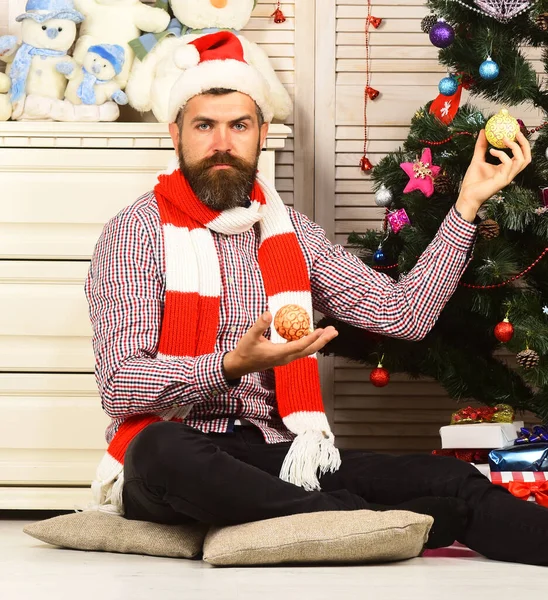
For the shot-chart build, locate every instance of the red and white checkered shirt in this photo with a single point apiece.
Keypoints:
(125, 289)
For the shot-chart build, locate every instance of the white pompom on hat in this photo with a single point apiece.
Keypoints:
(217, 60)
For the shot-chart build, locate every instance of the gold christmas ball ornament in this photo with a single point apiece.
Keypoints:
(500, 126)
(292, 322)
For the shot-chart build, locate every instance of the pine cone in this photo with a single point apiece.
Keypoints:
(489, 229)
(542, 22)
(443, 184)
(428, 22)
(527, 359)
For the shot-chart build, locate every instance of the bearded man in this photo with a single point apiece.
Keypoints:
(215, 417)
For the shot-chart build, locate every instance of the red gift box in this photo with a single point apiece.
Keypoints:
(527, 485)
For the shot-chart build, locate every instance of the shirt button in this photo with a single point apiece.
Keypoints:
(231, 280)
(233, 329)
(214, 394)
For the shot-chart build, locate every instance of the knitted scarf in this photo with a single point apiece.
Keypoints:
(86, 91)
(191, 320)
(20, 67)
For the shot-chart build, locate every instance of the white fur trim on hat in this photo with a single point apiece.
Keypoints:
(230, 74)
(186, 57)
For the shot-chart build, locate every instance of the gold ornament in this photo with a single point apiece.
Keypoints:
(292, 322)
(500, 126)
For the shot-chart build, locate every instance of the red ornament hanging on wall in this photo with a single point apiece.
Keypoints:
(369, 92)
(375, 21)
(278, 15)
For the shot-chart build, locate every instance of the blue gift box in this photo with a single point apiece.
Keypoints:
(528, 457)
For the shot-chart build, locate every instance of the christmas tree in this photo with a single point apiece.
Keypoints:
(500, 308)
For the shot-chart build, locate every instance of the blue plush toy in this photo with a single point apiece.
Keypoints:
(93, 83)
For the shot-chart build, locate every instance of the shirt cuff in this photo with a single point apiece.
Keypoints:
(209, 375)
(457, 232)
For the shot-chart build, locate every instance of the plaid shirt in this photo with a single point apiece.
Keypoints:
(125, 289)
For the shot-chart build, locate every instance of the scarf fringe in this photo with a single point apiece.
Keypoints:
(310, 452)
(107, 487)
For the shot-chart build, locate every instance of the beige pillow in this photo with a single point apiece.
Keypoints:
(92, 530)
(357, 536)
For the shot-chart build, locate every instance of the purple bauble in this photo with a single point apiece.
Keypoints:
(442, 34)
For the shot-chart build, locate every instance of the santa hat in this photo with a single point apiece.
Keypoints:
(217, 60)
(113, 53)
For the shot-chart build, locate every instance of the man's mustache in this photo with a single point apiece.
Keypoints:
(223, 158)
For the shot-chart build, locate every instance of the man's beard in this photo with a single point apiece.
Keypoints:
(221, 189)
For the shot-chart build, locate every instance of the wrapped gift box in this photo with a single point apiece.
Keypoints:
(480, 435)
(484, 469)
(525, 457)
(527, 485)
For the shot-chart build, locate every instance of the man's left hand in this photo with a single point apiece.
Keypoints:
(482, 179)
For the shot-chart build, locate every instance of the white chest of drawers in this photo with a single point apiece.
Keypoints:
(59, 184)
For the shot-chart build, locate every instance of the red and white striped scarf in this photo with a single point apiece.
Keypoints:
(191, 320)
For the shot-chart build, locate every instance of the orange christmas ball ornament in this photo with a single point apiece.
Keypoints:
(292, 322)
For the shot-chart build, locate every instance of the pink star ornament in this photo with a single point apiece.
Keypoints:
(421, 174)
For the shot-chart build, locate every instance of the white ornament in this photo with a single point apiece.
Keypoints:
(502, 10)
(384, 196)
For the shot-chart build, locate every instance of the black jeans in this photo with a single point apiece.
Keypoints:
(175, 474)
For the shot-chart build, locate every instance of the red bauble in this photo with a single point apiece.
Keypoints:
(380, 376)
(365, 164)
(504, 331)
(371, 92)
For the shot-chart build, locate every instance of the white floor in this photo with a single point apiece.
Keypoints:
(31, 570)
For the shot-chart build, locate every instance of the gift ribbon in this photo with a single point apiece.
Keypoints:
(528, 436)
(523, 490)
(501, 413)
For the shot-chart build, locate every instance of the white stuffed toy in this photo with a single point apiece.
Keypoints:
(116, 22)
(5, 104)
(48, 30)
(94, 83)
(153, 77)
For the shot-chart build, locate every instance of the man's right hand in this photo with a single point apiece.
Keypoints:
(255, 353)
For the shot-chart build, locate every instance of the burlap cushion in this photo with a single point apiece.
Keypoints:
(358, 536)
(93, 530)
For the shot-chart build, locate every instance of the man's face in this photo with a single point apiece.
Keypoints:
(218, 144)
